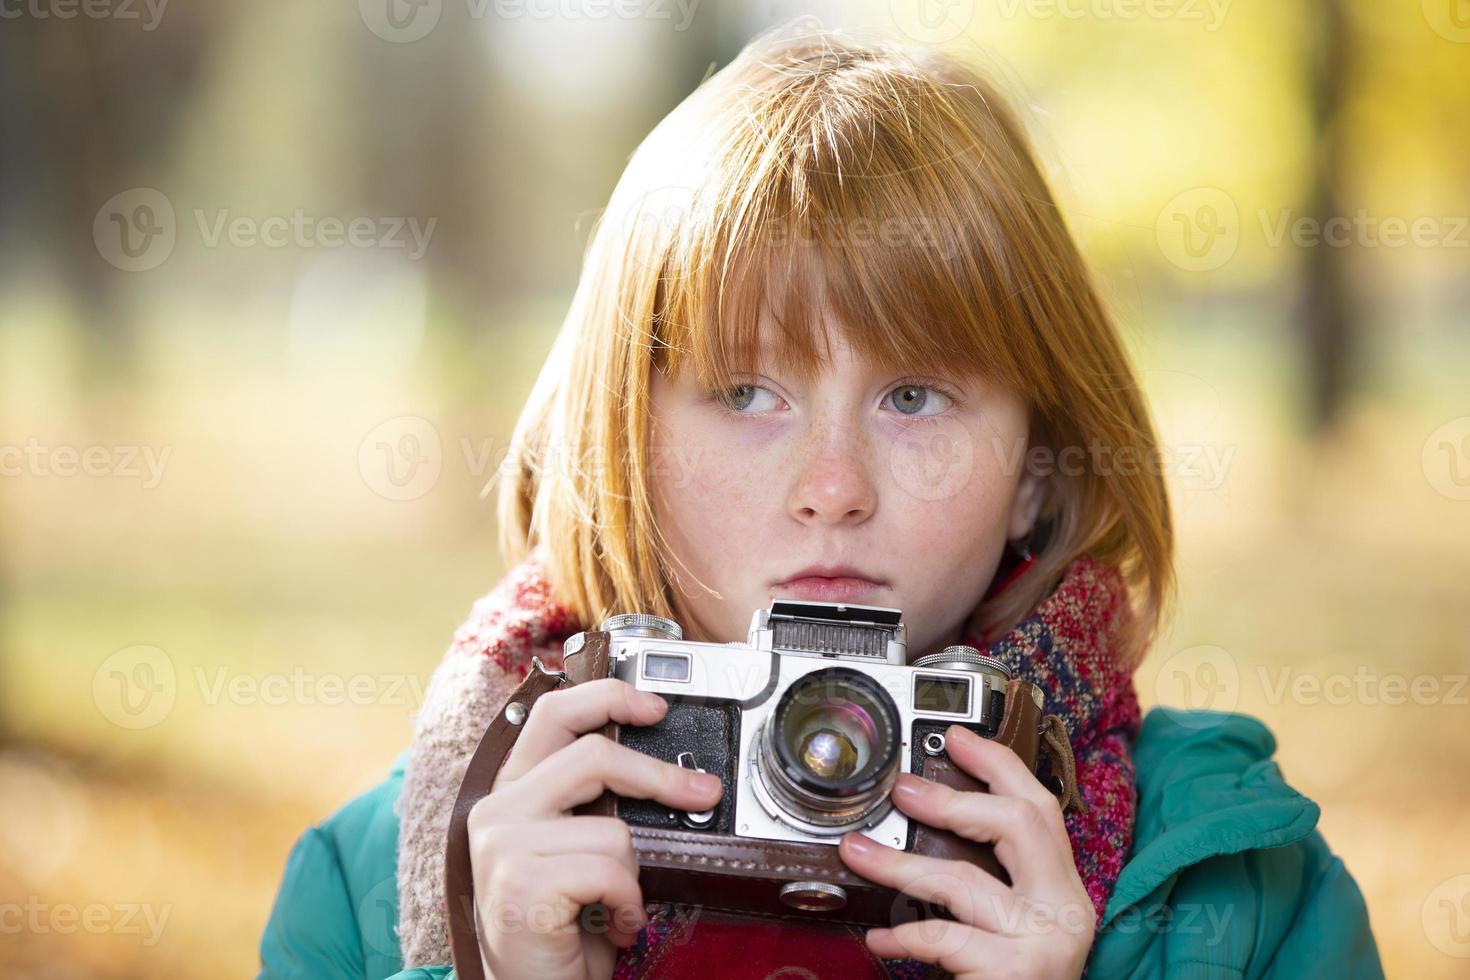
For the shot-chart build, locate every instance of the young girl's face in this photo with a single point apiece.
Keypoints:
(914, 482)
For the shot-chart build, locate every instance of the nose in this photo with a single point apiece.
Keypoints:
(833, 488)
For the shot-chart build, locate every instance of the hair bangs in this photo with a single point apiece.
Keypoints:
(908, 276)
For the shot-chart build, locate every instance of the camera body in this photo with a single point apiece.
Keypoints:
(807, 724)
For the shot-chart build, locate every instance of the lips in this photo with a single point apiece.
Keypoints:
(830, 583)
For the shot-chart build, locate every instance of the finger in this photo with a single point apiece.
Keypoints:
(581, 771)
(557, 719)
(573, 835)
(588, 878)
(607, 836)
(959, 948)
(972, 895)
(997, 764)
(546, 894)
(1005, 774)
(1039, 863)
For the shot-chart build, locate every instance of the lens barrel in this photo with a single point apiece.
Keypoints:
(829, 752)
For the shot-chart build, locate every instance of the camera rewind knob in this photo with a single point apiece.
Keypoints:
(642, 624)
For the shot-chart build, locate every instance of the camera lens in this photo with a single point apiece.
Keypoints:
(829, 753)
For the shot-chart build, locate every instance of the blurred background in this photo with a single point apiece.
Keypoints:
(276, 278)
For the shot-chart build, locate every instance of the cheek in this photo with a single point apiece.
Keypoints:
(952, 479)
(712, 488)
(950, 495)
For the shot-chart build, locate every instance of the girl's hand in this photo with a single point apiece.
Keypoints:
(1041, 925)
(536, 867)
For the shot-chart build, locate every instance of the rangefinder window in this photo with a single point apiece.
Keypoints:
(666, 666)
(943, 695)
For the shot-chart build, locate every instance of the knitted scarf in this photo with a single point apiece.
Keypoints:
(1066, 647)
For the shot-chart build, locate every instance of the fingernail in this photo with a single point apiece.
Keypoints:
(653, 702)
(878, 935)
(859, 843)
(963, 734)
(909, 787)
(703, 783)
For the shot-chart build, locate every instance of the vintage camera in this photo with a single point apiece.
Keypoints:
(808, 724)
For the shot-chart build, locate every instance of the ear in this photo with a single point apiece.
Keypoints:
(1026, 504)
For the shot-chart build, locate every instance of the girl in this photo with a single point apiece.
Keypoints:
(833, 341)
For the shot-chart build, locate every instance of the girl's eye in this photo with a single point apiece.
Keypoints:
(741, 397)
(914, 399)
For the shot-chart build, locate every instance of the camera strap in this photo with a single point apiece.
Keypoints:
(1060, 765)
(495, 745)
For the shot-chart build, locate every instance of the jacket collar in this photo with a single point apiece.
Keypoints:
(1207, 786)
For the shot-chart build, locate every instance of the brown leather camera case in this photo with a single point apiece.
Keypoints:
(716, 871)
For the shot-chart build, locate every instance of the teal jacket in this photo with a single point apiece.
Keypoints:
(1227, 877)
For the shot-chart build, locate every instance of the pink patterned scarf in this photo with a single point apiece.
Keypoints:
(1067, 647)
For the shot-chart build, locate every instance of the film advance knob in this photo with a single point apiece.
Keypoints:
(961, 657)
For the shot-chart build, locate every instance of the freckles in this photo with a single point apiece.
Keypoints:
(739, 468)
(726, 494)
(946, 488)
(944, 467)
